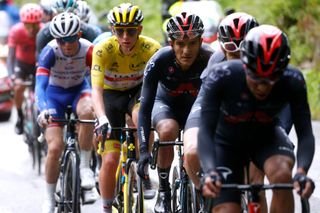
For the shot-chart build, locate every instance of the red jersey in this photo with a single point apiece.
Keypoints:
(25, 46)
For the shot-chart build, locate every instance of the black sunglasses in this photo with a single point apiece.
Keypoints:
(131, 31)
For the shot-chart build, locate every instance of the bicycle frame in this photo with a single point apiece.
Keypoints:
(128, 156)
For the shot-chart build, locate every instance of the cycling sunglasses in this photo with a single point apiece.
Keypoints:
(264, 80)
(131, 31)
(69, 39)
(180, 35)
(231, 46)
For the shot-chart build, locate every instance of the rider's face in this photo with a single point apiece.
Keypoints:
(32, 29)
(186, 51)
(259, 89)
(127, 37)
(69, 45)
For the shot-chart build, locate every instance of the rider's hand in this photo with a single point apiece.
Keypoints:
(210, 184)
(143, 162)
(100, 124)
(303, 185)
(44, 118)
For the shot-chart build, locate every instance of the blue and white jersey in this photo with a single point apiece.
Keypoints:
(58, 72)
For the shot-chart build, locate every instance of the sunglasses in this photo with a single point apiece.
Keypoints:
(180, 35)
(131, 31)
(31, 26)
(264, 80)
(69, 39)
(231, 46)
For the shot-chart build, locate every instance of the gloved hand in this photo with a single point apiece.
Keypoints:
(101, 125)
(143, 161)
(44, 118)
(303, 184)
(210, 184)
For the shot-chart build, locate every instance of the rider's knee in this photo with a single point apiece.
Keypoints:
(110, 162)
(168, 130)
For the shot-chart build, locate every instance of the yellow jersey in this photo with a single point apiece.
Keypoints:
(111, 69)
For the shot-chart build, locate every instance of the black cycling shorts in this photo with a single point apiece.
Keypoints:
(23, 70)
(118, 104)
(232, 157)
(163, 110)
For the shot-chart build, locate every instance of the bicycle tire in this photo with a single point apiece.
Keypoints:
(128, 194)
(70, 191)
(195, 200)
(244, 203)
(140, 197)
(175, 190)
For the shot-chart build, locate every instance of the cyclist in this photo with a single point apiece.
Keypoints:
(21, 58)
(44, 36)
(231, 32)
(240, 103)
(117, 73)
(61, 80)
(46, 6)
(170, 86)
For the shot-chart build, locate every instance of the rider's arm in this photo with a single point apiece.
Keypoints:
(148, 94)
(302, 122)
(210, 105)
(46, 61)
(99, 59)
(12, 45)
(11, 60)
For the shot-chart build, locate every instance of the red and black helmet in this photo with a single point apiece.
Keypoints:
(184, 25)
(234, 28)
(265, 51)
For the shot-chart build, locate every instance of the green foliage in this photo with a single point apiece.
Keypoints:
(313, 85)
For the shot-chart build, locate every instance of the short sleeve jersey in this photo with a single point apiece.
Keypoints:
(111, 69)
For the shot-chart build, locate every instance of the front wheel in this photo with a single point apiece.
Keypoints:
(70, 189)
(176, 207)
(128, 190)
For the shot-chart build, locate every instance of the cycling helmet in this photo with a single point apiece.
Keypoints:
(83, 11)
(60, 6)
(31, 13)
(233, 29)
(46, 6)
(64, 25)
(183, 25)
(265, 51)
(125, 14)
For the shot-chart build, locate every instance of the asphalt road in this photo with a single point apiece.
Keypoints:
(22, 189)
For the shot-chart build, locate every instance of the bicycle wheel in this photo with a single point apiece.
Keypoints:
(244, 202)
(194, 198)
(128, 193)
(140, 198)
(70, 193)
(175, 201)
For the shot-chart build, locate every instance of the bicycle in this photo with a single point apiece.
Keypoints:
(184, 197)
(252, 194)
(69, 193)
(31, 130)
(125, 200)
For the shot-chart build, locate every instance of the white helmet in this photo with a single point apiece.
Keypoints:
(83, 11)
(64, 25)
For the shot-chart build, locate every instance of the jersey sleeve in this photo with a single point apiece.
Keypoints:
(302, 121)
(212, 90)
(46, 61)
(149, 89)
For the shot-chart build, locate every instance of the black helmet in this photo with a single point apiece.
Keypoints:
(184, 25)
(265, 51)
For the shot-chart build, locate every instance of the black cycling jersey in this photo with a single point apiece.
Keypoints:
(164, 80)
(229, 110)
(44, 36)
(217, 57)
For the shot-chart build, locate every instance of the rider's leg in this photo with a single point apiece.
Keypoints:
(18, 100)
(54, 139)
(191, 160)
(85, 135)
(278, 169)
